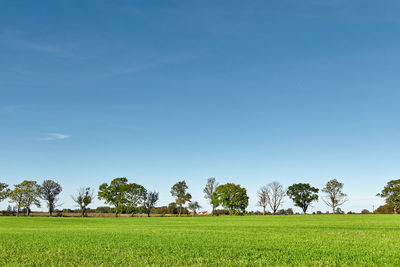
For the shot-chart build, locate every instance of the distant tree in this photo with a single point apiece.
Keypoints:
(263, 198)
(209, 193)
(302, 195)
(135, 196)
(365, 211)
(232, 197)
(49, 190)
(194, 206)
(4, 191)
(25, 195)
(275, 194)
(114, 194)
(334, 194)
(339, 211)
(178, 191)
(17, 197)
(150, 201)
(386, 209)
(83, 199)
(172, 208)
(391, 192)
(289, 211)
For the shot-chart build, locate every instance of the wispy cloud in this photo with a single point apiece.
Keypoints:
(154, 63)
(54, 136)
(20, 40)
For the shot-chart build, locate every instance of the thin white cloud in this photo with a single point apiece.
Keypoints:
(54, 136)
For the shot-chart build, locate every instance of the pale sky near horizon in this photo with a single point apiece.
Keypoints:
(160, 91)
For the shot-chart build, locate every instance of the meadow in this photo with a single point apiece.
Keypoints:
(301, 240)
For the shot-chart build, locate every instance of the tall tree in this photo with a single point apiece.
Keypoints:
(4, 191)
(334, 194)
(194, 206)
(150, 201)
(232, 197)
(263, 198)
(275, 196)
(391, 192)
(178, 191)
(135, 196)
(209, 192)
(302, 195)
(25, 195)
(83, 199)
(49, 190)
(114, 194)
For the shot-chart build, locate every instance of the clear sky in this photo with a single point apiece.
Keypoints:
(244, 91)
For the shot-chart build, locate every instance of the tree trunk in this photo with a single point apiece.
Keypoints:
(18, 212)
(333, 210)
(180, 210)
(28, 211)
(213, 211)
(264, 210)
(395, 209)
(116, 213)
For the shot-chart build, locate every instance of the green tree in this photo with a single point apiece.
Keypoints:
(135, 196)
(391, 192)
(232, 197)
(150, 201)
(49, 190)
(194, 206)
(172, 208)
(209, 193)
(302, 195)
(334, 194)
(4, 191)
(178, 191)
(25, 195)
(115, 194)
(83, 199)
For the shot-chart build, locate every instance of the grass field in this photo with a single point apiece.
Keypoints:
(270, 240)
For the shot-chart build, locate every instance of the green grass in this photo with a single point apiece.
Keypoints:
(358, 240)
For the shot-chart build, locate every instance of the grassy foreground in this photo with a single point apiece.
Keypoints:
(270, 240)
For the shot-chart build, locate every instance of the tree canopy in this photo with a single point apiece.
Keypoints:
(135, 196)
(178, 191)
(83, 199)
(302, 195)
(114, 193)
(49, 190)
(150, 201)
(194, 206)
(334, 194)
(25, 195)
(391, 192)
(4, 191)
(232, 197)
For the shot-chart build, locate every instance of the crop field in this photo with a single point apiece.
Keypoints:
(358, 240)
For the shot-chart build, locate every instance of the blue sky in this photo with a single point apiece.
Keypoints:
(248, 92)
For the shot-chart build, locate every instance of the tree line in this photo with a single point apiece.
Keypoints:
(126, 197)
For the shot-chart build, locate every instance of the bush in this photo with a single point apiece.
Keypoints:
(11, 211)
(365, 211)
